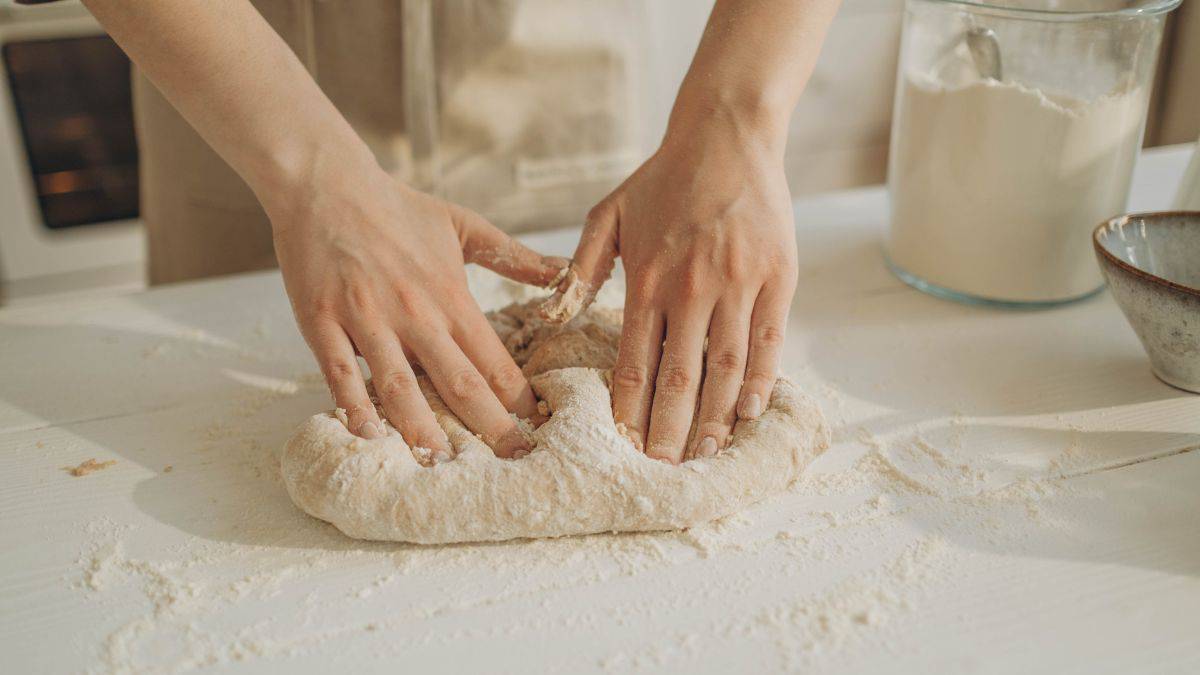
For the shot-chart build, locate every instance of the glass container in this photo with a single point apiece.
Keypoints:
(1015, 131)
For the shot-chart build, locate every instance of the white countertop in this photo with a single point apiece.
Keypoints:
(1007, 492)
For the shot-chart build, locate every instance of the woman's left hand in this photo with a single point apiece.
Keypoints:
(705, 231)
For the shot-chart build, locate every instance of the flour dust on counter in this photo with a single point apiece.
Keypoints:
(881, 541)
(850, 558)
(1015, 494)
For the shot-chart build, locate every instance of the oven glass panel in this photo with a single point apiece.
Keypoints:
(73, 104)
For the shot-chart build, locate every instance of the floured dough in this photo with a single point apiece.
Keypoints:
(583, 476)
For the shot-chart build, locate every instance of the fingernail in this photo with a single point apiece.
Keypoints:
(519, 453)
(441, 457)
(370, 430)
(512, 443)
(707, 447)
(442, 443)
(750, 407)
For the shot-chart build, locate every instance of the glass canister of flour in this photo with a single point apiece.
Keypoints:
(1015, 131)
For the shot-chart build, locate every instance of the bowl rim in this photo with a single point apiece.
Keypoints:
(1137, 271)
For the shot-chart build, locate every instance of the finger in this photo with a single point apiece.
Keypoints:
(484, 244)
(678, 383)
(466, 392)
(593, 262)
(767, 328)
(483, 347)
(635, 368)
(399, 393)
(335, 355)
(725, 368)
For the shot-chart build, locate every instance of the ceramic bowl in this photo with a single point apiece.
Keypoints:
(1152, 263)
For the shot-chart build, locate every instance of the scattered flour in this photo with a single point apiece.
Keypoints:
(844, 559)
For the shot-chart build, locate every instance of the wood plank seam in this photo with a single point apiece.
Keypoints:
(1131, 462)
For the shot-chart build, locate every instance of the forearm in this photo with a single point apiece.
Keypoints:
(238, 84)
(751, 66)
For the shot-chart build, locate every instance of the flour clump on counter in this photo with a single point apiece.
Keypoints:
(583, 476)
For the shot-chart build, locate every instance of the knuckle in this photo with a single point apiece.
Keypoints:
(600, 212)
(784, 261)
(785, 273)
(666, 441)
(322, 309)
(769, 334)
(734, 270)
(629, 377)
(339, 370)
(408, 299)
(396, 384)
(426, 436)
(733, 261)
(718, 429)
(726, 361)
(691, 285)
(760, 379)
(791, 271)
(642, 288)
(506, 377)
(359, 298)
(466, 383)
(675, 379)
(596, 213)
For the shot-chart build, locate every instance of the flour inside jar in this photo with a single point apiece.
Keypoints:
(996, 186)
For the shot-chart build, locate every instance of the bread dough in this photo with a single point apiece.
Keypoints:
(583, 476)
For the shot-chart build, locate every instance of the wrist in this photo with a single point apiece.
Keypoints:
(290, 174)
(743, 114)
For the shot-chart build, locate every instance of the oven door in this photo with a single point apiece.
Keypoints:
(68, 158)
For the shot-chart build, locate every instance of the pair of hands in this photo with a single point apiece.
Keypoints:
(704, 229)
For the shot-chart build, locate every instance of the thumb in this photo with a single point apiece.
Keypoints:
(487, 246)
(590, 267)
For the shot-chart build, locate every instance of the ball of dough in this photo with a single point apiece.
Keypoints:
(583, 476)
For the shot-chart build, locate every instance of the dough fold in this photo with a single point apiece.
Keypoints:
(583, 476)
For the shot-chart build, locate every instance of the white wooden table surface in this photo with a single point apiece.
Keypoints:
(1007, 492)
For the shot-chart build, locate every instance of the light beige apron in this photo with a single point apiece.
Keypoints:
(528, 111)
(201, 219)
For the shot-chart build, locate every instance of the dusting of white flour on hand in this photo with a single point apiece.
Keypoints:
(584, 476)
(571, 296)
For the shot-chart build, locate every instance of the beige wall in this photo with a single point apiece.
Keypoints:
(839, 132)
(1175, 115)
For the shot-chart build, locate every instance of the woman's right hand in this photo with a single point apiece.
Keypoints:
(373, 266)
(370, 265)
